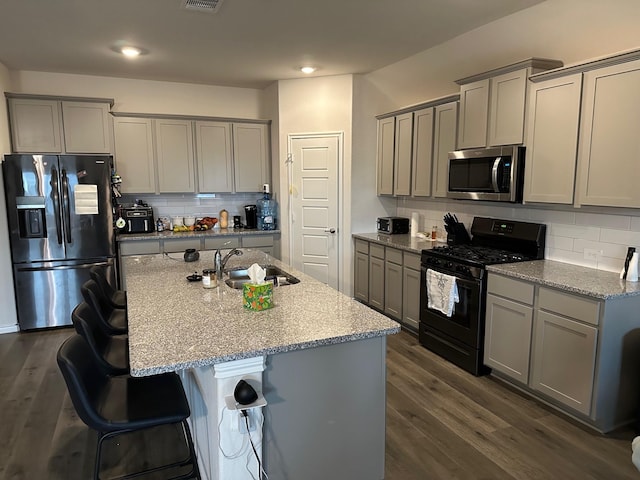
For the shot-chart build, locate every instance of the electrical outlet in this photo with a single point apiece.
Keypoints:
(592, 254)
(242, 426)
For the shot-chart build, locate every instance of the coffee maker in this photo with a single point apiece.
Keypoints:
(251, 216)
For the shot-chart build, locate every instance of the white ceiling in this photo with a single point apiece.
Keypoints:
(247, 43)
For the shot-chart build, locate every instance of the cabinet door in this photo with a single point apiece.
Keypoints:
(86, 127)
(422, 152)
(250, 156)
(507, 340)
(35, 125)
(214, 154)
(134, 154)
(609, 145)
(564, 354)
(386, 138)
(361, 277)
(474, 108)
(444, 141)
(402, 154)
(506, 108)
(411, 297)
(174, 147)
(376, 282)
(393, 290)
(552, 140)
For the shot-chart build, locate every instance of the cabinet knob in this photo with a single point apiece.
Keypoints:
(330, 230)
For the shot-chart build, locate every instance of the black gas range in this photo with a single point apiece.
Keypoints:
(460, 336)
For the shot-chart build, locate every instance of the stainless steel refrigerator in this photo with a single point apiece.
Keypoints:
(60, 225)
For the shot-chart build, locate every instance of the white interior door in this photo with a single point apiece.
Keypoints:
(314, 205)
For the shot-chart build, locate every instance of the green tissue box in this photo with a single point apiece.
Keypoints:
(257, 296)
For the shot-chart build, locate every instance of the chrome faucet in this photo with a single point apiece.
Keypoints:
(220, 261)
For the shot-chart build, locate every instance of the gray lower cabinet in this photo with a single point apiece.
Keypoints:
(411, 291)
(376, 276)
(578, 353)
(361, 272)
(393, 283)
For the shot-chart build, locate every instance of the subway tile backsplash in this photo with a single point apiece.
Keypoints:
(596, 240)
(167, 205)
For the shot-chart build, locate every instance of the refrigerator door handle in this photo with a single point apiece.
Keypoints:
(64, 267)
(55, 197)
(66, 206)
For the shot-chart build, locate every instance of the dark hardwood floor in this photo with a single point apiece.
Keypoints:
(442, 423)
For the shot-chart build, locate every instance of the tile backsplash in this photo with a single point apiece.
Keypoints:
(207, 205)
(596, 240)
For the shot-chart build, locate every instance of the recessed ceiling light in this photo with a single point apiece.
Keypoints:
(308, 70)
(130, 52)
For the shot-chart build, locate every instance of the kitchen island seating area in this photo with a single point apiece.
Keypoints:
(117, 298)
(114, 319)
(114, 405)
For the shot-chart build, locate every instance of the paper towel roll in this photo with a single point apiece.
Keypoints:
(415, 223)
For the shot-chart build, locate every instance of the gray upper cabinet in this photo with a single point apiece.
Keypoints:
(44, 124)
(215, 158)
(250, 156)
(174, 150)
(474, 111)
(402, 154)
(608, 161)
(422, 152)
(386, 150)
(492, 104)
(552, 140)
(444, 141)
(134, 154)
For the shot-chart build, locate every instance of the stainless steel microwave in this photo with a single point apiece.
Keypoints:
(494, 174)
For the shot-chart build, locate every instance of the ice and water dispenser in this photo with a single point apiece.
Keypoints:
(31, 217)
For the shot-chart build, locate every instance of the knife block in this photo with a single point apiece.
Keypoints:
(457, 235)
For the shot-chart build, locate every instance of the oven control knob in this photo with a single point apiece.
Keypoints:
(449, 264)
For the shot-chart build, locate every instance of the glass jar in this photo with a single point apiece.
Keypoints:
(209, 278)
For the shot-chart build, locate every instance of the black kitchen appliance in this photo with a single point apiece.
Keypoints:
(460, 337)
(138, 218)
(393, 225)
(251, 216)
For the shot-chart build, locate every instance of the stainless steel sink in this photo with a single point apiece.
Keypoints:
(238, 276)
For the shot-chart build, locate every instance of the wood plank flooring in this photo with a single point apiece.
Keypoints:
(442, 423)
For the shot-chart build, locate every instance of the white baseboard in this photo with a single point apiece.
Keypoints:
(9, 329)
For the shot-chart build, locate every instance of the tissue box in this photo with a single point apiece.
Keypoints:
(257, 296)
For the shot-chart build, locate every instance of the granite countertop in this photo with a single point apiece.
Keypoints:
(215, 232)
(403, 242)
(571, 278)
(175, 324)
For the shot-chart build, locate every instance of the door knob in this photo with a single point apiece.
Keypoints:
(330, 230)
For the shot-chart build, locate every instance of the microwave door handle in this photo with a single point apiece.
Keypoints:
(494, 174)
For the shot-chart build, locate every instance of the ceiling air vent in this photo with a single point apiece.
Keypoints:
(207, 6)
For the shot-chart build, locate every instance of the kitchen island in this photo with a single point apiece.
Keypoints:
(317, 359)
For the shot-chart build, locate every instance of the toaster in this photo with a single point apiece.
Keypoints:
(137, 219)
(393, 225)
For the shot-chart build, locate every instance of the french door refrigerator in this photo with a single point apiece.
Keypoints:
(60, 225)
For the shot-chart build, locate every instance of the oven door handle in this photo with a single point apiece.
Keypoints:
(494, 174)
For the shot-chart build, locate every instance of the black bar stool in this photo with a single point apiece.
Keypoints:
(118, 405)
(112, 351)
(114, 319)
(117, 298)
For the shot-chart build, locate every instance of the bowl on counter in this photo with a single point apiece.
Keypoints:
(177, 221)
(189, 220)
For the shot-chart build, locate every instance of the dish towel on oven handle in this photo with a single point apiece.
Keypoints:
(442, 292)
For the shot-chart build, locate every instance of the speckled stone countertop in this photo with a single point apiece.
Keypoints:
(215, 232)
(402, 242)
(175, 324)
(572, 278)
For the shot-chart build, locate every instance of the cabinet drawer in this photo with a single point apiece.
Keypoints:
(376, 251)
(362, 247)
(394, 255)
(221, 242)
(517, 290)
(569, 305)
(411, 260)
(140, 247)
(257, 241)
(181, 244)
